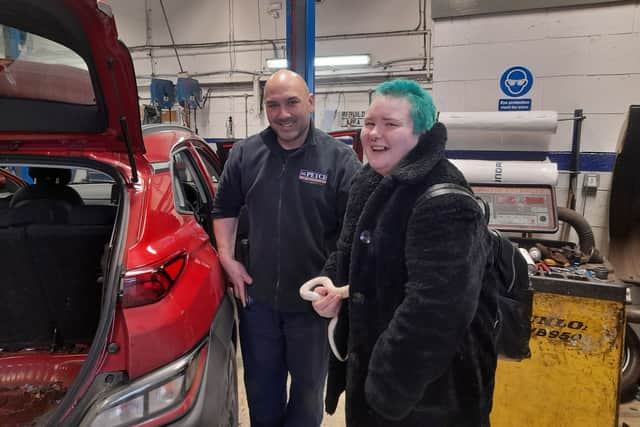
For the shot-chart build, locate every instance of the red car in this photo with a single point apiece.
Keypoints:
(113, 305)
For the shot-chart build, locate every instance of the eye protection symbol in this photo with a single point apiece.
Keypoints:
(516, 81)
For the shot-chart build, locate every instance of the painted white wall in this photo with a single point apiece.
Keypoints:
(585, 58)
(206, 21)
(202, 21)
(581, 57)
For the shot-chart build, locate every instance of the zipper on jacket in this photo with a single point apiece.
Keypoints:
(279, 231)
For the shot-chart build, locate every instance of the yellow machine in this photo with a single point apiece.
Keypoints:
(578, 322)
(572, 377)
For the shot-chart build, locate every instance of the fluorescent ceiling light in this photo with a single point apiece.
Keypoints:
(326, 61)
(277, 63)
(337, 61)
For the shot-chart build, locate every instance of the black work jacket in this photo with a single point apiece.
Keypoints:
(419, 324)
(295, 203)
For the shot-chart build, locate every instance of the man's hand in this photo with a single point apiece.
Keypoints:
(330, 303)
(238, 276)
(225, 230)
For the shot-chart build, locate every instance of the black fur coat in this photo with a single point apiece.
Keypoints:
(418, 325)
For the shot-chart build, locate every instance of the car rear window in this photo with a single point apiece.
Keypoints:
(7, 188)
(33, 67)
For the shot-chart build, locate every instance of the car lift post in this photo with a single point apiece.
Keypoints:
(301, 36)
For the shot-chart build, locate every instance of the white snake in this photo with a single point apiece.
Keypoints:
(307, 293)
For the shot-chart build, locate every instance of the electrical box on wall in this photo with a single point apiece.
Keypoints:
(163, 93)
(591, 181)
(189, 92)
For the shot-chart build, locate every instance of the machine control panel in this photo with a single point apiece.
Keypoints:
(520, 208)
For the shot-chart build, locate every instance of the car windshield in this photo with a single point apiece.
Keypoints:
(33, 67)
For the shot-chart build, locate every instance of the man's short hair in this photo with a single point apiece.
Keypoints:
(421, 106)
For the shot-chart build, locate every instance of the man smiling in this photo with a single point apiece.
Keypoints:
(294, 180)
(289, 105)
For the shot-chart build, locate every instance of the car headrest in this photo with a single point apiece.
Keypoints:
(39, 212)
(46, 192)
(50, 175)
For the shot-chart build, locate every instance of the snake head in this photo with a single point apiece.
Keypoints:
(307, 289)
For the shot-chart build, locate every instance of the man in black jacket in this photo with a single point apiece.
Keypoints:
(294, 180)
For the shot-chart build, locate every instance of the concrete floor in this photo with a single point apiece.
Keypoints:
(336, 420)
(629, 415)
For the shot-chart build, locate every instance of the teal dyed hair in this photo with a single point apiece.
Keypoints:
(421, 106)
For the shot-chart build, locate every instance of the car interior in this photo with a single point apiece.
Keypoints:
(51, 254)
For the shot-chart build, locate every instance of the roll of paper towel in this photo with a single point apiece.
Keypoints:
(508, 172)
(502, 121)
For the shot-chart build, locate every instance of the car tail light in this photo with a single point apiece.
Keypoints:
(148, 285)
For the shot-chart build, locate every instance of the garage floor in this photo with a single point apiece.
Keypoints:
(629, 412)
(336, 420)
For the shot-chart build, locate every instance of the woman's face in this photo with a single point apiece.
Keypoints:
(387, 135)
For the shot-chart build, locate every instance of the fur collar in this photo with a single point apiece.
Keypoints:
(419, 162)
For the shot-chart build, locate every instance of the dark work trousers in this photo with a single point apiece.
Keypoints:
(273, 344)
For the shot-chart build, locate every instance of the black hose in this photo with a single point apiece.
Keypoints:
(586, 240)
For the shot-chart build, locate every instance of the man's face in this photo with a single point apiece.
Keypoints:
(387, 135)
(289, 108)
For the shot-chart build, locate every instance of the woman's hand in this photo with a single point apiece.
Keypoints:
(329, 304)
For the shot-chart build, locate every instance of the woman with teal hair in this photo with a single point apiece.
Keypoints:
(418, 328)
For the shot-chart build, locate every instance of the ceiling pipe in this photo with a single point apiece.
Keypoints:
(173, 42)
(273, 42)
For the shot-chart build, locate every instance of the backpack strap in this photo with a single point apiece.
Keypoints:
(437, 190)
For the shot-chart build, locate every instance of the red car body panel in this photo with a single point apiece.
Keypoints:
(161, 143)
(179, 321)
(40, 372)
(118, 361)
(42, 369)
(183, 317)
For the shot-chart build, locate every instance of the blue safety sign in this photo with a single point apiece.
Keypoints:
(515, 82)
(517, 104)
